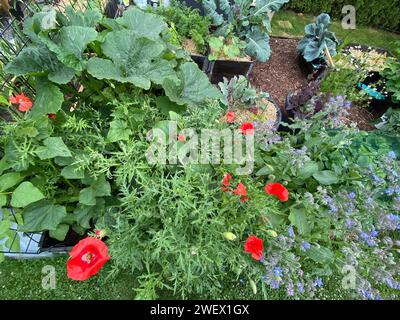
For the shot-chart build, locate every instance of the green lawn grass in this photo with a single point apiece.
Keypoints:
(361, 35)
(22, 280)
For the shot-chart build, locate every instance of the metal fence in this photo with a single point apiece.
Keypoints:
(13, 40)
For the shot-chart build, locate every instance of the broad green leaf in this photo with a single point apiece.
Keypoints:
(133, 60)
(3, 200)
(98, 188)
(320, 254)
(72, 172)
(308, 169)
(9, 180)
(257, 45)
(1, 257)
(194, 87)
(143, 24)
(42, 215)
(87, 18)
(266, 6)
(13, 241)
(264, 171)
(87, 196)
(49, 98)
(326, 177)
(25, 194)
(39, 60)
(165, 106)
(70, 44)
(60, 232)
(53, 147)
(298, 218)
(5, 225)
(118, 131)
(84, 214)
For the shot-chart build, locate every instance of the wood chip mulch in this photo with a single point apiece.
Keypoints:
(281, 73)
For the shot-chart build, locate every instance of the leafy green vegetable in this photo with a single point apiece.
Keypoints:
(25, 194)
(194, 86)
(42, 215)
(135, 60)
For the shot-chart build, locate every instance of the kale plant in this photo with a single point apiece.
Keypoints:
(250, 23)
(319, 42)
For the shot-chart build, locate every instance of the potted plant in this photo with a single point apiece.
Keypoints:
(249, 23)
(249, 105)
(318, 47)
(188, 29)
(227, 58)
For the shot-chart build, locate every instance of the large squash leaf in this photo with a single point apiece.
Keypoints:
(49, 98)
(42, 215)
(135, 60)
(194, 87)
(69, 44)
(25, 194)
(36, 60)
(53, 147)
(89, 18)
(143, 24)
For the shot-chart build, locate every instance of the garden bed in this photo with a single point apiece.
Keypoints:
(281, 73)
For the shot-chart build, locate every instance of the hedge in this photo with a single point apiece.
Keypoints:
(383, 14)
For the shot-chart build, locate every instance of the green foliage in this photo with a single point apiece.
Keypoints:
(238, 93)
(132, 50)
(187, 23)
(318, 39)
(222, 48)
(392, 75)
(377, 13)
(249, 23)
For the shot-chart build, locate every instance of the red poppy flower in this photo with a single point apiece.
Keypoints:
(225, 182)
(244, 199)
(278, 190)
(24, 102)
(240, 190)
(247, 128)
(52, 115)
(181, 137)
(86, 258)
(230, 117)
(255, 247)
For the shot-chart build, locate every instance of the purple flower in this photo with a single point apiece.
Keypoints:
(349, 223)
(291, 232)
(278, 272)
(392, 155)
(305, 246)
(300, 287)
(318, 283)
(274, 284)
(352, 195)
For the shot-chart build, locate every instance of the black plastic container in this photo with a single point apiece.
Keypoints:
(313, 68)
(201, 61)
(48, 244)
(220, 69)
